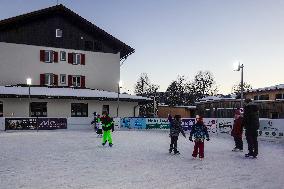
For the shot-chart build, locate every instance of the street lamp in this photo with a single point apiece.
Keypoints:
(119, 85)
(29, 82)
(237, 67)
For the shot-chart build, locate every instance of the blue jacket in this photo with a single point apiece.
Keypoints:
(199, 131)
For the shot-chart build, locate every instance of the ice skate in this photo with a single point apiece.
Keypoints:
(248, 155)
(235, 150)
(176, 152)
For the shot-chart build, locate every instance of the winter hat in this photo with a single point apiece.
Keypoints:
(238, 112)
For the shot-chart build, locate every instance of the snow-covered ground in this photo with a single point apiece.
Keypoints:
(138, 159)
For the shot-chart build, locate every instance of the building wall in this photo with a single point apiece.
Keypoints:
(17, 107)
(18, 62)
(272, 93)
(164, 111)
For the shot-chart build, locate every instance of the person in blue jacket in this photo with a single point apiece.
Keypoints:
(199, 131)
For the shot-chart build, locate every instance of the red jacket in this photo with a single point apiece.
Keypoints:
(237, 130)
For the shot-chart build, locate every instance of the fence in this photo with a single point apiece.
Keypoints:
(268, 127)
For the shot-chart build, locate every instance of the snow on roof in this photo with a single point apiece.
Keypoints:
(275, 87)
(66, 92)
(215, 98)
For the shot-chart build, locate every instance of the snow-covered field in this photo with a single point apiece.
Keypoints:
(138, 159)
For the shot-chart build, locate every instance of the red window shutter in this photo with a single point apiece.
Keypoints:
(42, 79)
(55, 79)
(83, 82)
(83, 59)
(70, 58)
(69, 80)
(42, 53)
(55, 54)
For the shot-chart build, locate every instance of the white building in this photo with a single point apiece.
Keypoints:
(73, 64)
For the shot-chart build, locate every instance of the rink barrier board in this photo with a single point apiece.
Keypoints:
(268, 127)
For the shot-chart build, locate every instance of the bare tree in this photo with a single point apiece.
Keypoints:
(202, 85)
(236, 89)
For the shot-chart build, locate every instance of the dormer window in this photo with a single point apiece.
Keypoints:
(58, 33)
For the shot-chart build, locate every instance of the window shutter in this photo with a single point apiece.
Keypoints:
(55, 79)
(83, 82)
(83, 59)
(69, 80)
(42, 53)
(55, 54)
(70, 58)
(42, 79)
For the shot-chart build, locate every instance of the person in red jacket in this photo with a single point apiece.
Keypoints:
(237, 131)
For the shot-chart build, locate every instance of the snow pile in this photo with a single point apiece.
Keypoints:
(138, 159)
(70, 92)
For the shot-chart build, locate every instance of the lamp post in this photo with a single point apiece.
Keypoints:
(118, 93)
(29, 82)
(240, 67)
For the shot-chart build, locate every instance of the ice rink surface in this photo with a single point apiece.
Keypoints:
(139, 159)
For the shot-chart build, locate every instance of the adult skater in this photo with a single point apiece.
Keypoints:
(237, 131)
(108, 126)
(175, 129)
(251, 125)
(199, 131)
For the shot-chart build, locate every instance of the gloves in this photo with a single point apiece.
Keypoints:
(190, 138)
(207, 139)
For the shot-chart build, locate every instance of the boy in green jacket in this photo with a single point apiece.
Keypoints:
(108, 126)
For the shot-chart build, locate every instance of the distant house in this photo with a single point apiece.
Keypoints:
(183, 111)
(269, 99)
(74, 66)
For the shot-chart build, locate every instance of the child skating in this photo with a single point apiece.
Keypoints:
(108, 126)
(199, 131)
(99, 126)
(175, 129)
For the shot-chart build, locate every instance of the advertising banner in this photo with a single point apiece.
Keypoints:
(35, 123)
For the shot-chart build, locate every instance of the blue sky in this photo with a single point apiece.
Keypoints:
(181, 37)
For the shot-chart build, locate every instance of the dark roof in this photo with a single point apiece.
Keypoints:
(124, 49)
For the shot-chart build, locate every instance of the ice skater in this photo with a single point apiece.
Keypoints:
(175, 129)
(251, 125)
(99, 126)
(199, 131)
(237, 131)
(108, 126)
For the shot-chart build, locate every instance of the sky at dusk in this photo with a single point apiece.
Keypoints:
(182, 37)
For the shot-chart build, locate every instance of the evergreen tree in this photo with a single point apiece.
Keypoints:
(238, 87)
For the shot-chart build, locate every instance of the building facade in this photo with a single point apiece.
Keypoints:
(57, 48)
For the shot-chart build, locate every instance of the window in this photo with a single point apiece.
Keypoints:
(79, 110)
(1, 109)
(48, 79)
(105, 109)
(77, 59)
(76, 81)
(62, 78)
(58, 33)
(264, 97)
(255, 97)
(279, 96)
(89, 45)
(38, 109)
(62, 56)
(48, 56)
